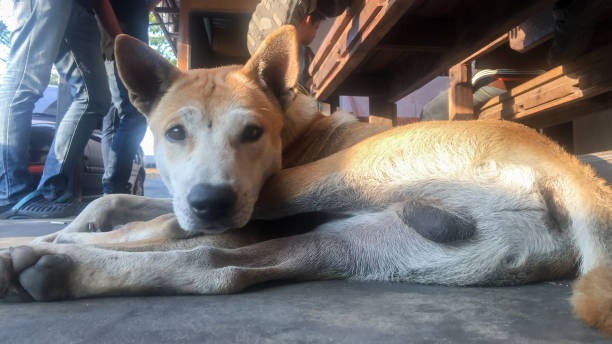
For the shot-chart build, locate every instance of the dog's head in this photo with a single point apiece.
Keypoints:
(217, 131)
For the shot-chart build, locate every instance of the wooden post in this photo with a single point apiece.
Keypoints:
(334, 103)
(460, 95)
(382, 110)
(182, 45)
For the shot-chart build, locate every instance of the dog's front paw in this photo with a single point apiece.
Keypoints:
(10, 263)
(47, 279)
(29, 274)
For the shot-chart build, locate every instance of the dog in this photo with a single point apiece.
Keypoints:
(264, 187)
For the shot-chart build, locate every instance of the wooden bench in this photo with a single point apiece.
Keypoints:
(388, 49)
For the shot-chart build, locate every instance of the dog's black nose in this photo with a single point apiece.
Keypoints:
(211, 202)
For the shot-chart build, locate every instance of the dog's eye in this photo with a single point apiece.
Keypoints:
(251, 133)
(176, 133)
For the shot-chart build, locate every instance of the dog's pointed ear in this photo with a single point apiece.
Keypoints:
(146, 74)
(275, 65)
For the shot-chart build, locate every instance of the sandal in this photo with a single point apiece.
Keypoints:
(35, 206)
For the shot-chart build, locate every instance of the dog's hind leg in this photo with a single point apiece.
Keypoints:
(108, 212)
(591, 224)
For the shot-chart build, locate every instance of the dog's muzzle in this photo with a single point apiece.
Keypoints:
(212, 203)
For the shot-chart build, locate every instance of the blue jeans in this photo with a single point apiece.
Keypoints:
(64, 33)
(123, 130)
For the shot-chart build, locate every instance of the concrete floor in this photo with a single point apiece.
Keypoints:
(330, 311)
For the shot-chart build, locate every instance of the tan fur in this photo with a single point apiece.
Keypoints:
(535, 211)
(592, 298)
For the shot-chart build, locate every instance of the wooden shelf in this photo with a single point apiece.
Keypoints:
(587, 77)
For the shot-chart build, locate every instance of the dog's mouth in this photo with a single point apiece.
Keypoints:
(212, 217)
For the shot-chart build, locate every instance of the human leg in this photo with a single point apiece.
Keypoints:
(79, 62)
(123, 130)
(34, 46)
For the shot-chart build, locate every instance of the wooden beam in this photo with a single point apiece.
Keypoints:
(569, 111)
(358, 37)
(182, 44)
(333, 34)
(460, 95)
(587, 77)
(488, 47)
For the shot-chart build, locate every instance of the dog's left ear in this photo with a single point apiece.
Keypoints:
(275, 65)
(145, 73)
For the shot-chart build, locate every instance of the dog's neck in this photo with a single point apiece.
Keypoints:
(301, 111)
(309, 135)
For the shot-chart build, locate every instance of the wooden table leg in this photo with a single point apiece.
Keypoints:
(460, 95)
(382, 110)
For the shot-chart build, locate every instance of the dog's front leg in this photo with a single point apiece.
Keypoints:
(159, 229)
(107, 212)
(59, 271)
(161, 234)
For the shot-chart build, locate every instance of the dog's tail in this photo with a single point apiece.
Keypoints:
(591, 226)
(592, 298)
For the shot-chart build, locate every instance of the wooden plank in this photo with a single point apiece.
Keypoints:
(340, 47)
(359, 37)
(569, 111)
(601, 162)
(587, 77)
(334, 33)
(492, 45)
(460, 95)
